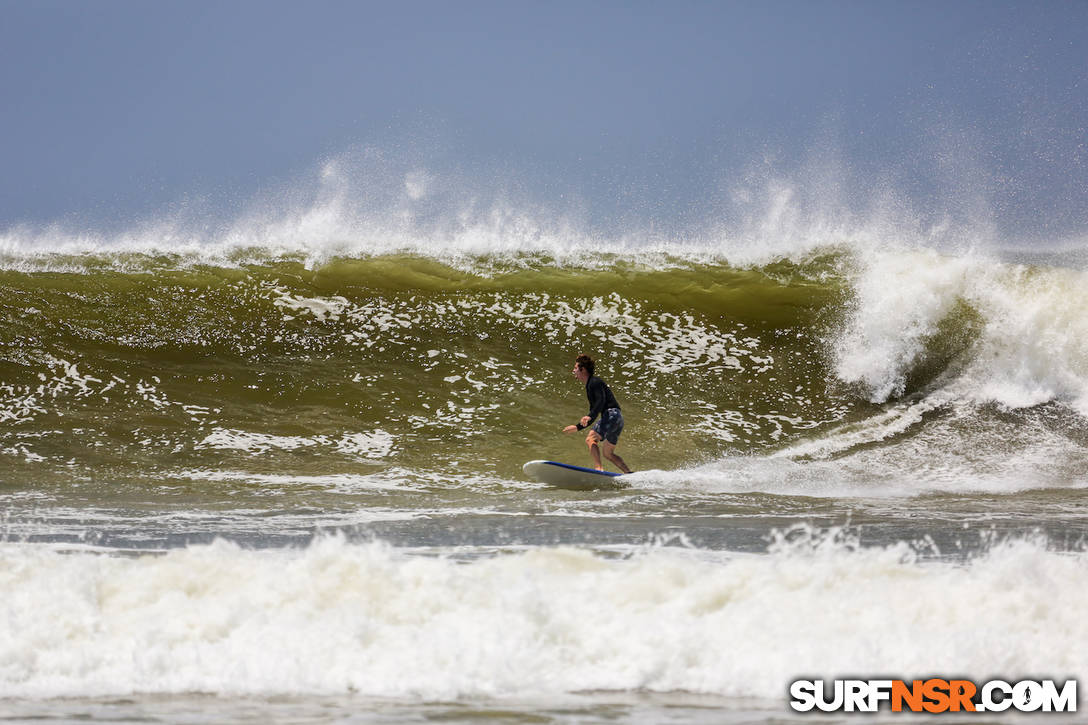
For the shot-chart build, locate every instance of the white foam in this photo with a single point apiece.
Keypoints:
(339, 617)
(899, 301)
(1032, 346)
(363, 445)
(961, 452)
(321, 308)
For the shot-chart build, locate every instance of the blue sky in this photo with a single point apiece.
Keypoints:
(115, 110)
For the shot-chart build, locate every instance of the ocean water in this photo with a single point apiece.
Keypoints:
(276, 476)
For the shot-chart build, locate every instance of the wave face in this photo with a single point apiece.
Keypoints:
(135, 364)
(365, 359)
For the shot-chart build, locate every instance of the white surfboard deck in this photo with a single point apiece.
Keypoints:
(575, 478)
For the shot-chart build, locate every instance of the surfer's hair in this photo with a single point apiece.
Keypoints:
(586, 363)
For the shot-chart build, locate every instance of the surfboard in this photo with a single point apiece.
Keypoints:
(575, 478)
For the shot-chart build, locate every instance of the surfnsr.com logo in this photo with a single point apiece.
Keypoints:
(933, 695)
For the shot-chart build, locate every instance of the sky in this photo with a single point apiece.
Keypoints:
(114, 111)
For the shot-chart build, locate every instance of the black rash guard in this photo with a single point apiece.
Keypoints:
(600, 399)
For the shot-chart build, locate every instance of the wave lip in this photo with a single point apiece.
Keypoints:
(988, 331)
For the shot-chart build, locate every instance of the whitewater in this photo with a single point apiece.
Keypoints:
(271, 468)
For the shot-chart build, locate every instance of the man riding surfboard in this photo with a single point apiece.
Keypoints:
(605, 434)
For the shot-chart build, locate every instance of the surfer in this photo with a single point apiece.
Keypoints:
(606, 433)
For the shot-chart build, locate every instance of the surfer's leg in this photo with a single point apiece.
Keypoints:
(592, 440)
(610, 454)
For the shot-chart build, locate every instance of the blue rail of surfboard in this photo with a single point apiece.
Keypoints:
(580, 468)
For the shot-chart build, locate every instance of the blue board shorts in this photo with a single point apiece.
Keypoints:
(610, 425)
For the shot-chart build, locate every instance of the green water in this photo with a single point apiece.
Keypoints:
(155, 369)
